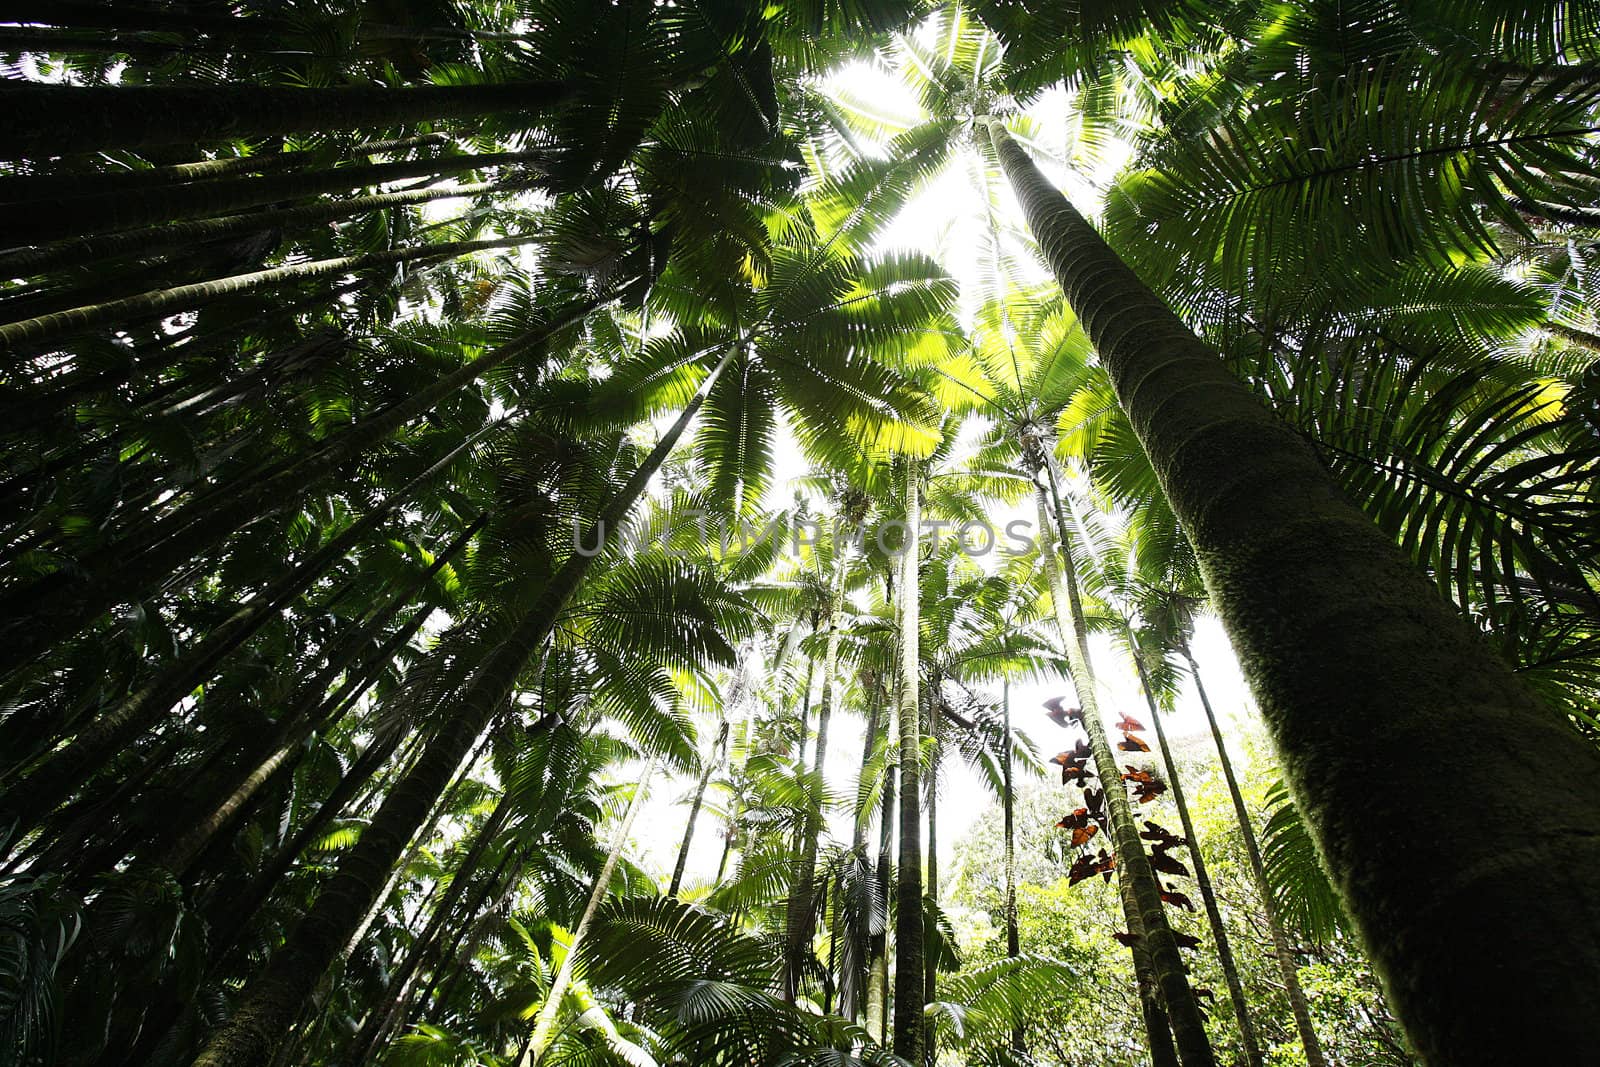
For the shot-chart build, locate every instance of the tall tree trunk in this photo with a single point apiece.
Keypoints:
(545, 1024)
(79, 216)
(1008, 805)
(1288, 967)
(853, 996)
(35, 333)
(800, 915)
(383, 1016)
(713, 758)
(58, 120)
(269, 1004)
(15, 187)
(1141, 894)
(83, 251)
(57, 606)
(1219, 933)
(930, 892)
(910, 1033)
(878, 996)
(1396, 718)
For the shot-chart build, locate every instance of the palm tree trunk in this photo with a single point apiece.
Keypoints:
(1219, 933)
(878, 976)
(382, 1016)
(60, 604)
(1008, 804)
(15, 187)
(78, 216)
(713, 758)
(930, 891)
(1141, 894)
(800, 915)
(55, 120)
(910, 1034)
(233, 919)
(34, 333)
(83, 251)
(1281, 949)
(52, 782)
(545, 1024)
(269, 1004)
(1377, 692)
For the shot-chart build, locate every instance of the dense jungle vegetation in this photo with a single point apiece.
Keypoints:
(687, 532)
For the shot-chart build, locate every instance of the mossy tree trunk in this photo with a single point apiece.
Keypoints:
(1397, 721)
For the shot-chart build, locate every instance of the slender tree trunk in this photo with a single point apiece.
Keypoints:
(57, 606)
(1395, 716)
(1281, 949)
(930, 891)
(79, 216)
(1219, 933)
(800, 913)
(234, 918)
(713, 758)
(909, 978)
(268, 1004)
(1008, 804)
(86, 250)
(878, 997)
(35, 333)
(854, 995)
(383, 1015)
(545, 1024)
(56, 120)
(1141, 894)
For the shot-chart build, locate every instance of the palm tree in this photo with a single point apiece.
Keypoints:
(1333, 548)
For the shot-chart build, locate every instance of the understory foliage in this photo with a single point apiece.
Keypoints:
(505, 508)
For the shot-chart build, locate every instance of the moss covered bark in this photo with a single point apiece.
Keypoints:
(1396, 720)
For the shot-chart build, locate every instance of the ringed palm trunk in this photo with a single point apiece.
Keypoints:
(269, 1004)
(79, 216)
(86, 250)
(1396, 718)
(545, 1024)
(57, 606)
(1136, 879)
(33, 333)
(54, 120)
(1219, 933)
(1288, 968)
(910, 1033)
